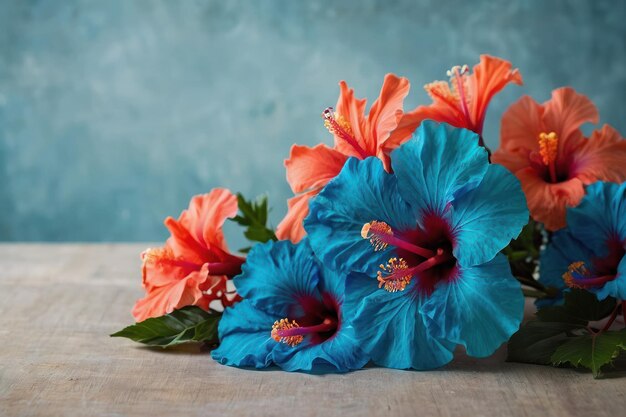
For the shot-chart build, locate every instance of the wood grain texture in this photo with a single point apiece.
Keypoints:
(59, 303)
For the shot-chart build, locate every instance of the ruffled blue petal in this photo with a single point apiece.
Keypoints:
(245, 338)
(600, 216)
(485, 219)
(389, 327)
(334, 283)
(615, 288)
(480, 310)
(338, 354)
(362, 192)
(597, 220)
(276, 273)
(438, 163)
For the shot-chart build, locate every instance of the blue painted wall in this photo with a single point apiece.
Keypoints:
(114, 113)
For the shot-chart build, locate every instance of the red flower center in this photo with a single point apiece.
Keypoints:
(423, 253)
(603, 269)
(553, 166)
(318, 319)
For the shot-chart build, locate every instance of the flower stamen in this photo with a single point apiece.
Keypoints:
(284, 331)
(397, 280)
(458, 77)
(578, 276)
(381, 235)
(165, 256)
(339, 126)
(455, 93)
(156, 254)
(548, 149)
(279, 334)
(400, 274)
(373, 231)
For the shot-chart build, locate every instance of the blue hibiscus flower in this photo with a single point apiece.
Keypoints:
(293, 314)
(422, 247)
(589, 252)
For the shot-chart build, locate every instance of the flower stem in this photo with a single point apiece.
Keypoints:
(611, 319)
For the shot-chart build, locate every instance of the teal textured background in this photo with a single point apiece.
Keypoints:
(113, 114)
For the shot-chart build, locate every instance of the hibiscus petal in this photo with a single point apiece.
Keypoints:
(407, 125)
(276, 274)
(547, 202)
(437, 163)
(486, 219)
(245, 337)
(480, 310)
(199, 228)
(206, 216)
(386, 110)
(183, 244)
(311, 168)
(341, 353)
(399, 338)
(175, 294)
(615, 288)
(353, 111)
(512, 160)
(600, 216)
(565, 112)
(440, 111)
(602, 157)
(520, 128)
(489, 77)
(361, 193)
(160, 268)
(291, 227)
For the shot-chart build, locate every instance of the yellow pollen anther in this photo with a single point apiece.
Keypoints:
(441, 90)
(157, 255)
(373, 232)
(335, 122)
(396, 283)
(575, 268)
(284, 324)
(548, 146)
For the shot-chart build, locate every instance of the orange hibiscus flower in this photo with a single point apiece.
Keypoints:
(462, 102)
(544, 147)
(355, 134)
(195, 264)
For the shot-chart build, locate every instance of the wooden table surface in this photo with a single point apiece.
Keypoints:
(59, 303)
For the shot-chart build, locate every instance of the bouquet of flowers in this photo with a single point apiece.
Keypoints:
(409, 237)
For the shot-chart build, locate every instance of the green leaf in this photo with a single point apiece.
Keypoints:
(188, 324)
(591, 351)
(559, 333)
(560, 315)
(523, 252)
(253, 215)
(586, 306)
(536, 341)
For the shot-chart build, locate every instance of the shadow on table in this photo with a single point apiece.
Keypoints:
(183, 349)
